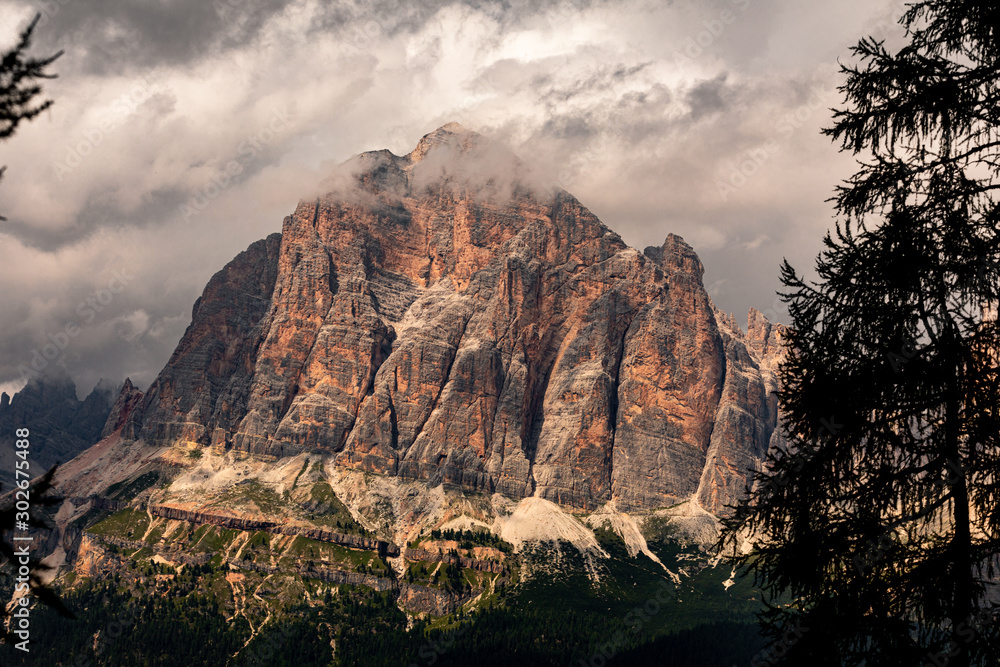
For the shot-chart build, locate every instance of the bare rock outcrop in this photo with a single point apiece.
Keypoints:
(128, 398)
(430, 600)
(206, 382)
(250, 524)
(440, 317)
(480, 564)
(748, 412)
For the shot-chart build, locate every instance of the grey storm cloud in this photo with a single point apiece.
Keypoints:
(183, 131)
(128, 36)
(708, 96)
(138, 34)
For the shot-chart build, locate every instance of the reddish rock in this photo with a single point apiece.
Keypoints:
(128, 399)
(437, 317)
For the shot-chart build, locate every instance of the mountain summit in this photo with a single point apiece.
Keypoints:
(436, 317)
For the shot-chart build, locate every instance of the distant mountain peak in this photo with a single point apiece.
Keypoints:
(456, 149)
(127, 400)
(61, 424)
(449, 134)
(453, 127)
(468, 164)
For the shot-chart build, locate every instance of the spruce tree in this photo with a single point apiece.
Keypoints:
(875, 532)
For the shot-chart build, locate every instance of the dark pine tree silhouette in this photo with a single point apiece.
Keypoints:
(876, 529)
(19, 89)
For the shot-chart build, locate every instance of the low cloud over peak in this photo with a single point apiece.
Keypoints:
(183, 131)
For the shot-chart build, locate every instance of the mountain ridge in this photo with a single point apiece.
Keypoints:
(442, 317)
(60, 424)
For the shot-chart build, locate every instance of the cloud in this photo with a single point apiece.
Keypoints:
(184, 131)
(105, 39)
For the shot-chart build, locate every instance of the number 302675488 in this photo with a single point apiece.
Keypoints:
(22, 467)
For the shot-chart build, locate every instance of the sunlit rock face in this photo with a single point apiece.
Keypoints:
(443, 316)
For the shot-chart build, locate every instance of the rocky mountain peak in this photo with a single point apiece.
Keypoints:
(676, 256)
(450, 160)
(454, 128)
(766, 339)
(450, 136)
(434, 317)
(127, 400)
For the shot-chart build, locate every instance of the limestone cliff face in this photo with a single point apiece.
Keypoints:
(748, 412)
(435, 316)
(207, 380)
(128, 399)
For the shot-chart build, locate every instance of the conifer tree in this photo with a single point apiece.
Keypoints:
(875, 531)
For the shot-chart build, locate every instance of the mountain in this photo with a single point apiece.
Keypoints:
(438, 317)
(444, 404)
(128, 398)
(60, 425)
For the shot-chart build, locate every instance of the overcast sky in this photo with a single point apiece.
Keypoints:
(184, 130)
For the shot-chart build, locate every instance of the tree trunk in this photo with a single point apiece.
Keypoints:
(961, 545)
